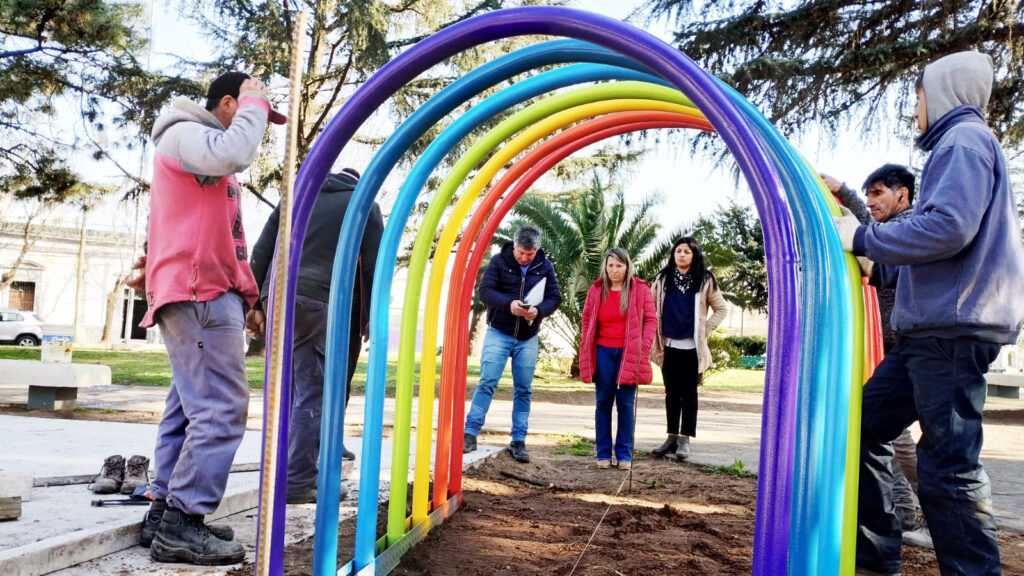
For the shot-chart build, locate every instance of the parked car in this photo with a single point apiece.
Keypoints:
(20, 327)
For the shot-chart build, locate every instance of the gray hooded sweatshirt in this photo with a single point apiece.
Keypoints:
(961, 252)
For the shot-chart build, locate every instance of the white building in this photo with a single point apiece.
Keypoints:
(46, 280)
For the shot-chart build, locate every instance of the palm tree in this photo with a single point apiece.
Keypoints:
(576, 232)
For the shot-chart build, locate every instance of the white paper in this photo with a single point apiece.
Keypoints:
(536, 294)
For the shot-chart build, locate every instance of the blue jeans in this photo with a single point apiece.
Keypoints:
(606, 373)
(207, 404)
(940, 383)
(498, 346)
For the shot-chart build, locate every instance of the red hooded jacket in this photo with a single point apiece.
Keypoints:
(641, 328)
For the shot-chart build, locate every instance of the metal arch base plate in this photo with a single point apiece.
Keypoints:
(388, 559)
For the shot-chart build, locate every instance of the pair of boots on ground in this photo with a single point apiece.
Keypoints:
(517, 448)
(119, 475)
(675, 447)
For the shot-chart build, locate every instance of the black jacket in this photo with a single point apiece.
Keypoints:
(320, 245)
(503, 282)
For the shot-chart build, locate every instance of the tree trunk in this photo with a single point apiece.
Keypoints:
(79, 288)
(574, 368)
(474, 324)
(29, 236)
(108, 319)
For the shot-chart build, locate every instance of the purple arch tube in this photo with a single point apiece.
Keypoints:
(728, 120)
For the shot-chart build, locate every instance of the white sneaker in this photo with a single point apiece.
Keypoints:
(919, 538)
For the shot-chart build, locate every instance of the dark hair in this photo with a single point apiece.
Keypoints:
(227, 84)
(527, 238)
(697, 268)
(894, 176)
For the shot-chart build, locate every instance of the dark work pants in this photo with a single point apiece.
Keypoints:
(307, 390)
(679, 370)
(940, 383)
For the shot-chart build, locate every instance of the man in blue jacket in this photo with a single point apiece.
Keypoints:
(512, 327)
(958, 299)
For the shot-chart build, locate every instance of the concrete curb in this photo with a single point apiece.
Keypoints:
(58, 552)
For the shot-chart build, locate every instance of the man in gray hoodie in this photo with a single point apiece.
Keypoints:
(198, 285)
(958, 299)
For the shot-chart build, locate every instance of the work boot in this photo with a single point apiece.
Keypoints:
(667, 447)
(110, 477)
(308, 496)
(346, 454)
(136, 474)
(468, 443)
(682, 448)
(186, 538)
(518, 451)
(151, 523)
(919, 537)
(915, 533)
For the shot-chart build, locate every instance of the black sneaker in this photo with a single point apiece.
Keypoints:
(111, 476)
(151, 523)
(186, 538)
(347, 454)
(468, 443)
(518, 451)
(136, 474)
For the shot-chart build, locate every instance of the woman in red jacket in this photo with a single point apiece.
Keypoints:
(619, 326)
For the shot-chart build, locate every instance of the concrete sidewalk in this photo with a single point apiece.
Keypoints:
(59, 532)
(728, 430)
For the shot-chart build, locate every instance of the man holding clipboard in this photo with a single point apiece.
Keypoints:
(520, 289)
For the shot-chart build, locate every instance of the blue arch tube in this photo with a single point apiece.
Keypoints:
(662, 58)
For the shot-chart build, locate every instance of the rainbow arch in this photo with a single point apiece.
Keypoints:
(805, 520)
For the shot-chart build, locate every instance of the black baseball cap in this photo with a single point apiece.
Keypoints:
(228, 84)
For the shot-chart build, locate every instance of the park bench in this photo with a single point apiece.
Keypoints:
(1004, 385)
(751, 362)
(52, 385)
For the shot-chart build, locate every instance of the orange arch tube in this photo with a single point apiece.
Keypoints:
(448, 462)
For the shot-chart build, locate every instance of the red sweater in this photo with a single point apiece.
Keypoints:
(611, 322)
(640, 329)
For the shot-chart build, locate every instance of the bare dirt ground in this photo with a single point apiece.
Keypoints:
(677, 519)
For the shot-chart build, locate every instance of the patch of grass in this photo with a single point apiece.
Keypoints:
(573, 444)
(735, 470)
(736, 380)
(152, 368)
(131, 368)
